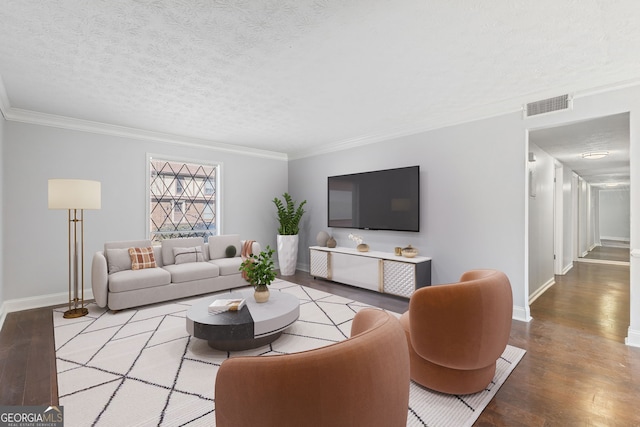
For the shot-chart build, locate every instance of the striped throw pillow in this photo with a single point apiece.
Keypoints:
(142, 258)
(184, 255)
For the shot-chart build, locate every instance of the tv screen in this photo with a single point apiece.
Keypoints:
(378, 200)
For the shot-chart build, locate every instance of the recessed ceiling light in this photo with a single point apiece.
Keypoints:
(593, 155)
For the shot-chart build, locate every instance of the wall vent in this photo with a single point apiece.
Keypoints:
(547, 105)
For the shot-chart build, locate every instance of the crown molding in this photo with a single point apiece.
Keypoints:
(606, 88)
(468, 116)
(44, 119)
(471, 115)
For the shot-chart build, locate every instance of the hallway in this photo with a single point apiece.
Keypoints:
(593, 298)
(609, 253)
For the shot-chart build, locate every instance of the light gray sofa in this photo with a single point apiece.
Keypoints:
(116, 286)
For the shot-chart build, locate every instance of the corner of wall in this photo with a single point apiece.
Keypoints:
(633, 338)
(3, 315)
(2, 169)
(521, 314)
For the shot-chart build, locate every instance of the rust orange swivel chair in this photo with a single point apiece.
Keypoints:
(361, 381)
(456, 332)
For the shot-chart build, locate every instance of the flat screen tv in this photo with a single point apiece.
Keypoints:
(377, 200)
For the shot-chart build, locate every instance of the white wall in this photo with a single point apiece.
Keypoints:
(474, 213)
(599, 103)
(472, 198)
(568, 238)
(593, 214)
(2, 169)
(614, 214)
(475, 203)
(583, 218)
(35, 238)
(541, 222)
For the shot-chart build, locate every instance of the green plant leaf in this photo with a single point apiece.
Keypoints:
(259, 268)
(289, 215)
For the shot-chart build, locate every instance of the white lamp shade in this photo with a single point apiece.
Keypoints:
(74, 194)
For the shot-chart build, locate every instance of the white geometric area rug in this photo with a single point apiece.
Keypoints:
(140, 367)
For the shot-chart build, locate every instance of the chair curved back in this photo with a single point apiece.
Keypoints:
(464, 325)
(363, 380)
(456, 332)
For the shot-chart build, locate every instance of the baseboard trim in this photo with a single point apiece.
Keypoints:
(3, 315)
(541, 290)
(521, 314)
(633, 338)
(29, 303)
(603, 261)
(567, 268)
(615, 239)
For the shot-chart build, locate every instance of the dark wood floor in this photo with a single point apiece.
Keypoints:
(577, 370)
(609, 253)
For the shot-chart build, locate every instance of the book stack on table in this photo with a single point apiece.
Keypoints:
(222, 305)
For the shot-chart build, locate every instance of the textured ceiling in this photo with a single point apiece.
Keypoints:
(304, 76)
(567, 143)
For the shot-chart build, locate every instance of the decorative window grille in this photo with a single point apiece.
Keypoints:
(183, 198)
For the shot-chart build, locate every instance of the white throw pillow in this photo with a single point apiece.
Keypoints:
(118, 260)
(184, 255)
(218, 245)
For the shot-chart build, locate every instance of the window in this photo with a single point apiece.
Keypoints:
(178, 211)
(208, 187)
(183, 199)
(208, 212)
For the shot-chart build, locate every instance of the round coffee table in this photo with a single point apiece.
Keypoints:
(255, 325)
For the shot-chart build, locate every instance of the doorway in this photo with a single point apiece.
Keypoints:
(586, 199)
(597, 190)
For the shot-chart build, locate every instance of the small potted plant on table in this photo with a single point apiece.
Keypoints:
(260, 273)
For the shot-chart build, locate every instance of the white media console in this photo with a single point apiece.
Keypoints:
(377, 271)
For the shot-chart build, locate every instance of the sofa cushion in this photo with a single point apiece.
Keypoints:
(228, 266)
(142, 258)
(185, 242)
(181, 273)
(118, 259)
(184, 255)
(130, 280)
(218, 245)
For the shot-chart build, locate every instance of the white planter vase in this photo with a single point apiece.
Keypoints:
(287, 254)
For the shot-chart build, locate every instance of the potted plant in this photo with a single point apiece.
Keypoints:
(260, 273)
(289, 218)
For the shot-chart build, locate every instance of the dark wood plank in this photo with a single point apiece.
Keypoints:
(28, 374)
(577, 370)
(40, 385)
(610, 253)
(14, 341)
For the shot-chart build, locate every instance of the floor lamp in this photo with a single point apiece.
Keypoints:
(75, 195)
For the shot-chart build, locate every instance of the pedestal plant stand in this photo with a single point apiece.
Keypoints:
(287, 240)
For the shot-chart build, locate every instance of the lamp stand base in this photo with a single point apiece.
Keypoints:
(75, 312)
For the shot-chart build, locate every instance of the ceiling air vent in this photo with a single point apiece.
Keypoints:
(547, 105)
